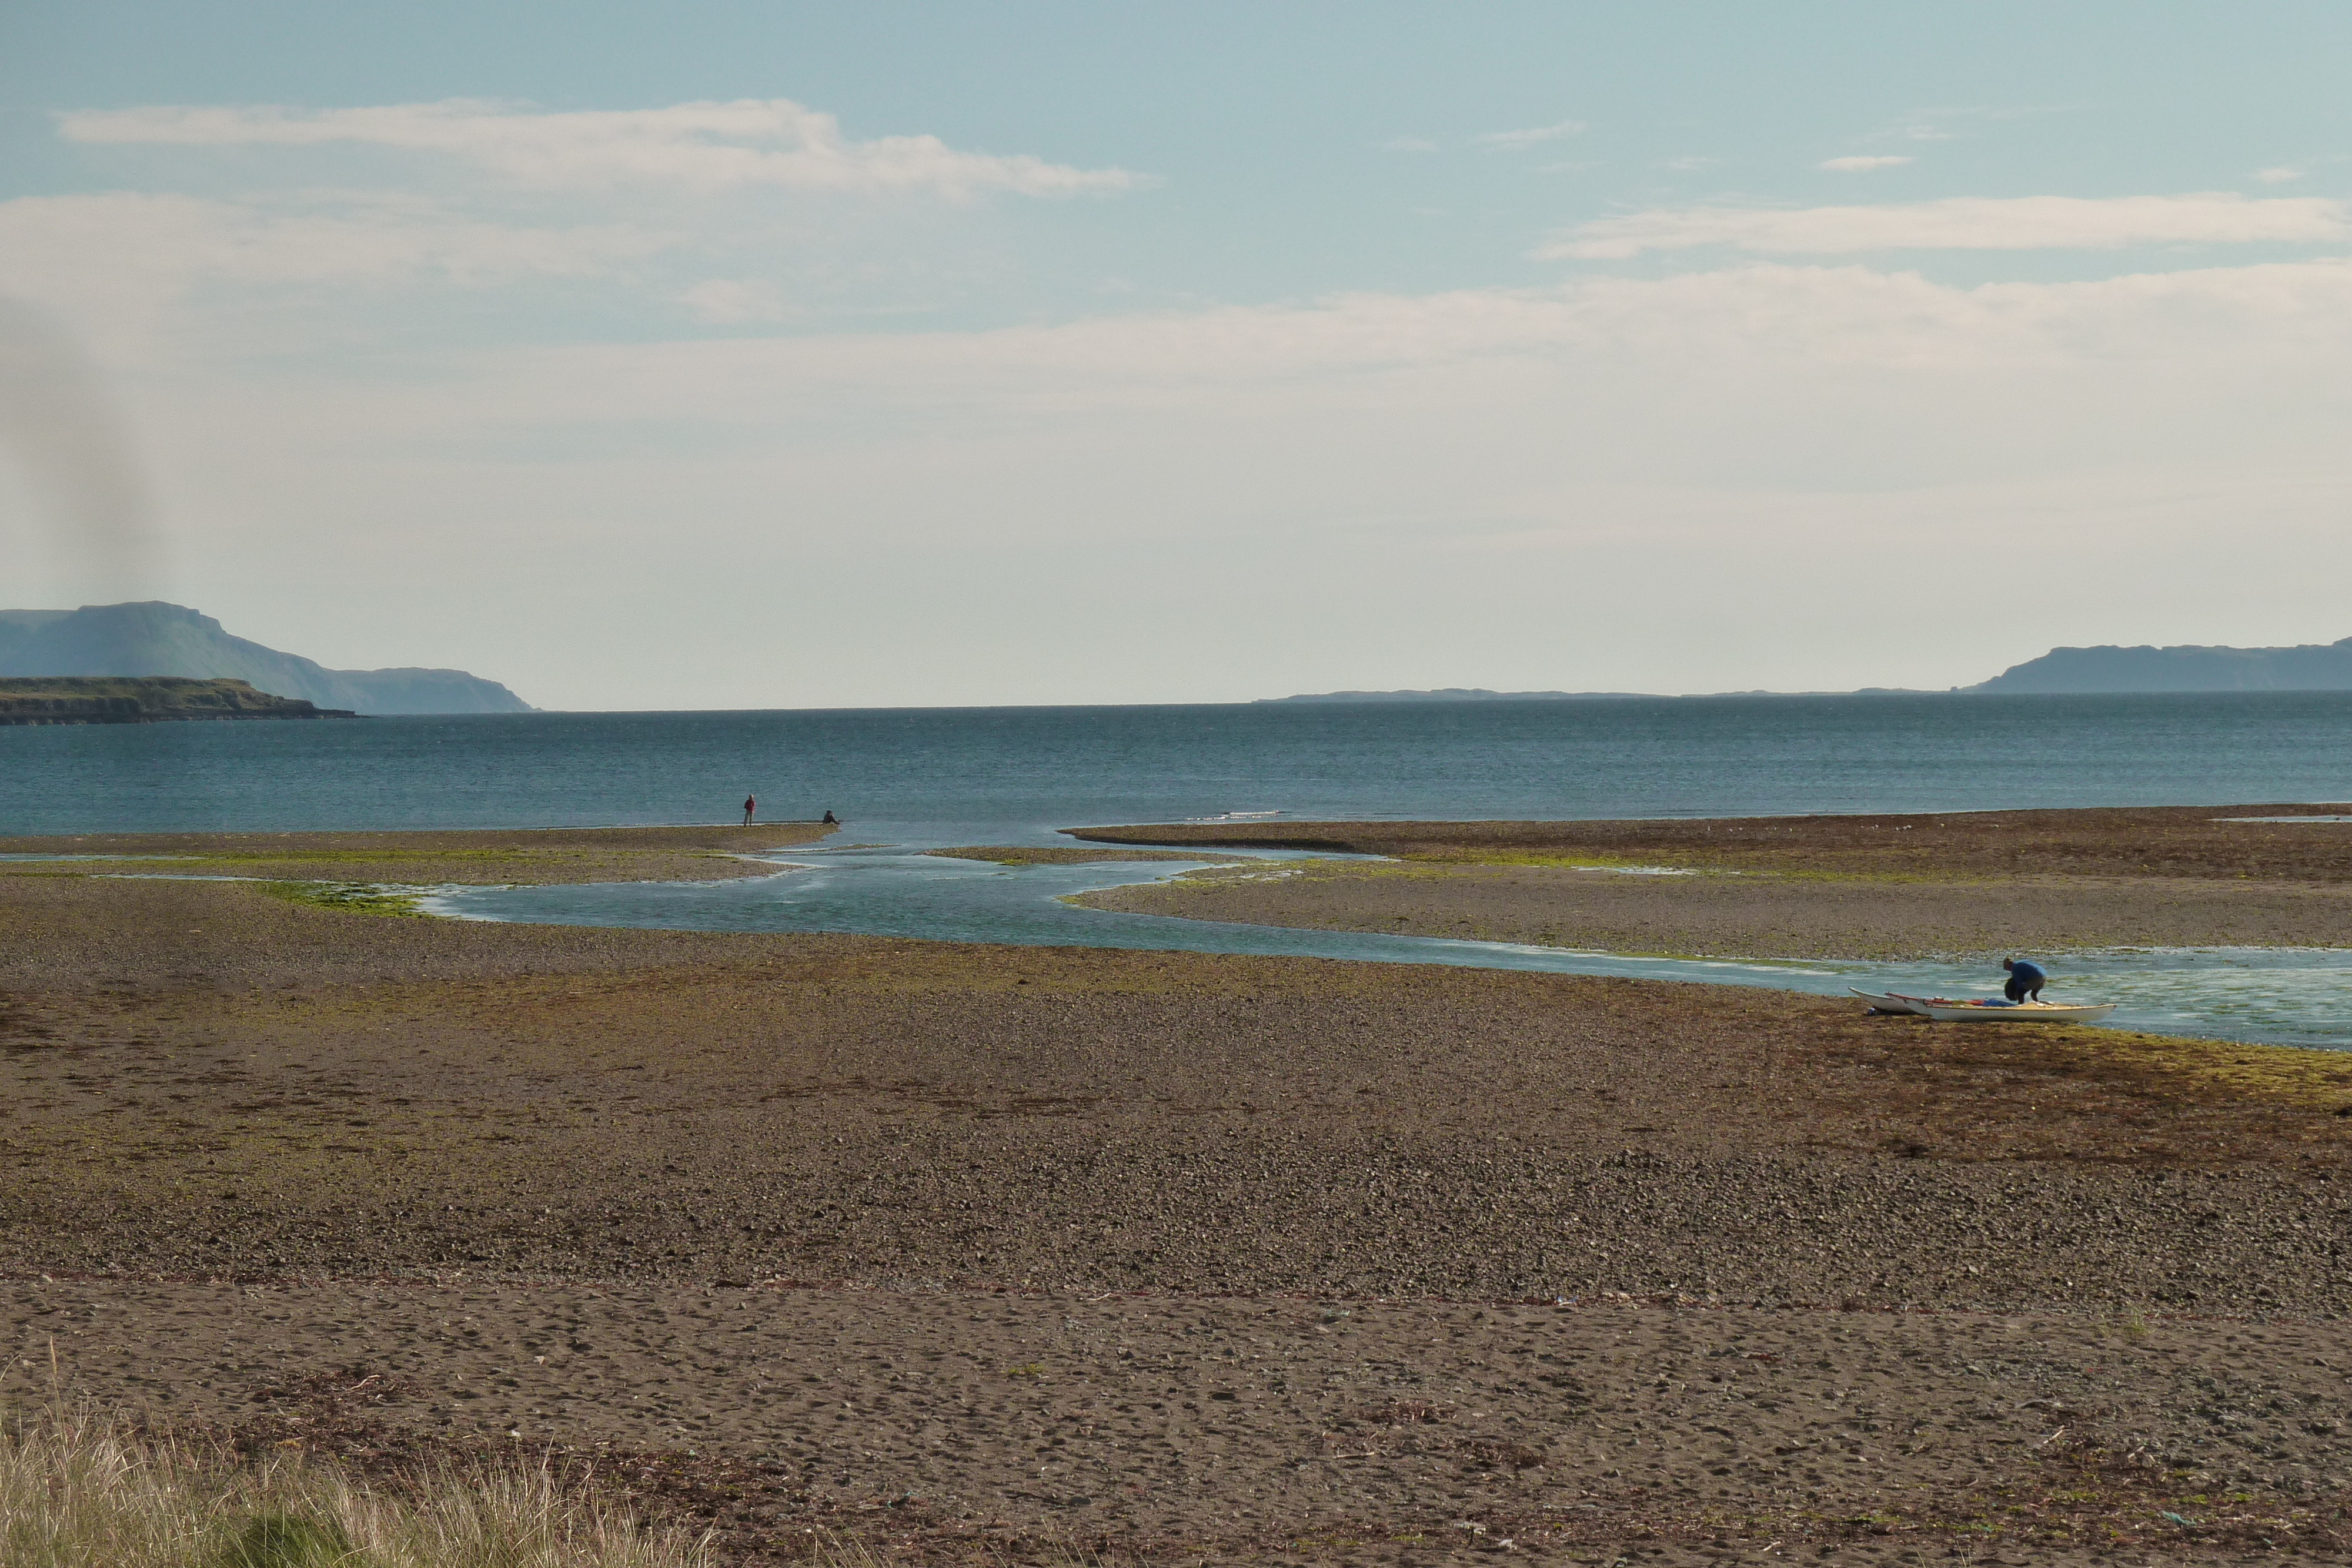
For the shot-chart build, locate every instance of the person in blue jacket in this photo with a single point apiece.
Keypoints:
(2025, 980)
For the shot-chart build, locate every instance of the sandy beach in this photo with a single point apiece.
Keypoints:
(1755, 914)
(2190, 841)
(426, 859)
(969, 1427)
(968, 1250)
(1964, 885)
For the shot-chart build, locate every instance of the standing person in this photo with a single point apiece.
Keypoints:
(751, 804)
(2025, 980)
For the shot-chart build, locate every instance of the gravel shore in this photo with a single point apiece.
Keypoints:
(2192, 842)
(1754, 914)
(1964, 885)
(981, 1427)
(491, 856)
(1851, 1282)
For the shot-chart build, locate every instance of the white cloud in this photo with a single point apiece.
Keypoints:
(1534, 136)
(2278, 174)
(702, 146)
(1863, 162)
(114, 260)
(1929, 124)
(1963, 222)
(1674, 457)
(1605, 332)
(668, 203)
(726, 302)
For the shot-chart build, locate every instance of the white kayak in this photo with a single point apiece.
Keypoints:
(1886, 1001)
(1947, 1010)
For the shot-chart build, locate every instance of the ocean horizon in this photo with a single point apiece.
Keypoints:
(1032, 768)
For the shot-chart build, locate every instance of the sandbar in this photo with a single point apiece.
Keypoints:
(1959, 885)
(426, 858)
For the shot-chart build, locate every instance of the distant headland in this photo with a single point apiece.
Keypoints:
(2309, 667)
(143, 699)
(2085, 671)
(156, 639)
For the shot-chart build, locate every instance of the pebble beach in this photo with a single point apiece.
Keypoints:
(959, 1250)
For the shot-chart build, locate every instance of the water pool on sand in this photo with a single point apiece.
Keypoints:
(2264, 995)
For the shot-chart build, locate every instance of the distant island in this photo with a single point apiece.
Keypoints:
(1480, 694)
(2082, 672)
(143, 699)
(1441, 695)
(156, 639)
(2309, 667)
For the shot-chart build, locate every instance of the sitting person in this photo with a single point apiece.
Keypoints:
(2025, 980)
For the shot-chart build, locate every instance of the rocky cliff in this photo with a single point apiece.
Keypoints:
(159, 639)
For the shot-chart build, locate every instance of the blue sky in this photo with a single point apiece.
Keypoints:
(775, 355)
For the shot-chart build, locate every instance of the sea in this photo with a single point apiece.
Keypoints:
(1046, 767)
(905, 779)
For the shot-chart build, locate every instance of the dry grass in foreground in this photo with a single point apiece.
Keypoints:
(83, 1490)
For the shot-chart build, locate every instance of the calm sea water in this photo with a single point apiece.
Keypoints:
(1028, 770)
(907, 780)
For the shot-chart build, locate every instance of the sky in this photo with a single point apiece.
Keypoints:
(776, 355)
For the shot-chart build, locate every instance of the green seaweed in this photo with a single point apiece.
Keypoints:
(350, 897)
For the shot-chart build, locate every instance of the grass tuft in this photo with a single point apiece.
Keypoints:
(80, 1490)
(289, 1541)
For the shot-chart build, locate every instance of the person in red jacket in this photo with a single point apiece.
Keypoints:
(751, 804)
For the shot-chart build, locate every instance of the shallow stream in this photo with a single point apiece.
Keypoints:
(2275, 996)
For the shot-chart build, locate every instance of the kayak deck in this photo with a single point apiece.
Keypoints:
(1950, 1009)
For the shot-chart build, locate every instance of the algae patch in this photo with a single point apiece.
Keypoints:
(2314, 1079)
(352, 897)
